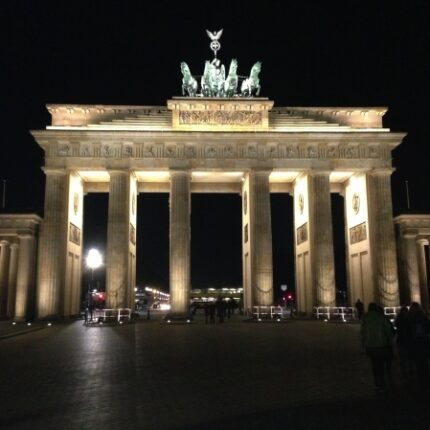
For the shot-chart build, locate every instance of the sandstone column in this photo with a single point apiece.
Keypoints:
(13, 269)
(321, 238)
(381, 228)
(409, 265)
(52, 246)
(25, 277)
(4, 276)
(422, 269)
(260, 230)
(180, 237)
(119, 256)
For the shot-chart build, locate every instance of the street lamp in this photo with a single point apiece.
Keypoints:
(94, 260)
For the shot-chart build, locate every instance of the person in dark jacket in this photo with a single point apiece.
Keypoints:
(377, 339)
(403, 340)
(419, 325)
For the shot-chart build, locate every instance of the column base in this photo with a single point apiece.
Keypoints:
(179, 318)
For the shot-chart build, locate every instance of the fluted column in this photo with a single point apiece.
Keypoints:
(117, 254)
(261, 238)
(25, 277)
(4, 275)
(409, 265)
(321, 236)
(422, 269)
(13, 269)
(53, 239)
(180, 238)
(381, 228)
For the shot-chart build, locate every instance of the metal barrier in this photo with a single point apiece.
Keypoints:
(108, 315)
(264, 312)
(392, 311)
(343, 313)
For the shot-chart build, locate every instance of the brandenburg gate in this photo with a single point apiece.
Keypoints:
(224, 142)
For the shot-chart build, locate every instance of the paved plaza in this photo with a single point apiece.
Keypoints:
(236, 375)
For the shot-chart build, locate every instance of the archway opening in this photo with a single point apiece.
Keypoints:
(283, 248)
(216, 240)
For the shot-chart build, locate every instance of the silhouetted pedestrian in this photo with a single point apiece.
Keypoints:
(220, 308)
(377, 339)
(359, 306)
(212, 312)
(206, 309)
(420, 343)
(403, 341)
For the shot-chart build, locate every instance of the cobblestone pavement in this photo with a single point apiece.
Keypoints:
(238, 375)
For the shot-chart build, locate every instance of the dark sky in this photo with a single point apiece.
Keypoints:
(119, 52)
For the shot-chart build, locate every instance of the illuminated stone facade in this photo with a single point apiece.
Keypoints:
(18, 250)
(413, 238)
(244, 146)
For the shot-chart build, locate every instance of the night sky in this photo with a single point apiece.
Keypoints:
(118, 52)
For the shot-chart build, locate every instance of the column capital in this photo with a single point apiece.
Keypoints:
(422, 242)
(54, 171)
(4, 243)
(118, 172)
(387, 171)
(179, 171)
(14, 246)
(317, 172)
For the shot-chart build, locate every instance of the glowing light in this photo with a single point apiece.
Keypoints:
(29, 323)
(49, 324)
(94, 259)
(14, 323)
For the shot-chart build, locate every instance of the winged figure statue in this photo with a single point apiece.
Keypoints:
(214, 35)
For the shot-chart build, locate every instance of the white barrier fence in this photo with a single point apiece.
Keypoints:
(343, 313)
(107, 315)
(267, 312)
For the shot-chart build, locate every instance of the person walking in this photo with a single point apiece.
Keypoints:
(403, 342)
(220, 307)
(359, 307)
(419, 325)
(377, 340)
(212, 312)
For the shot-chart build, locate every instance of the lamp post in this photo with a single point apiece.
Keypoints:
(94, 260)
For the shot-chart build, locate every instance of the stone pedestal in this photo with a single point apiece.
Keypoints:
(180, 236)
(381, 228)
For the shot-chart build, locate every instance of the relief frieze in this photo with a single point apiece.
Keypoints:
(357, 233)
(64, 150)
(74, 234)
(217, 150)
(302, 233)
(240, 118)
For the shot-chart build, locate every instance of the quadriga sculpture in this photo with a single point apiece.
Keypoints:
(189, 84)
(251, 85)
(230, 84)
